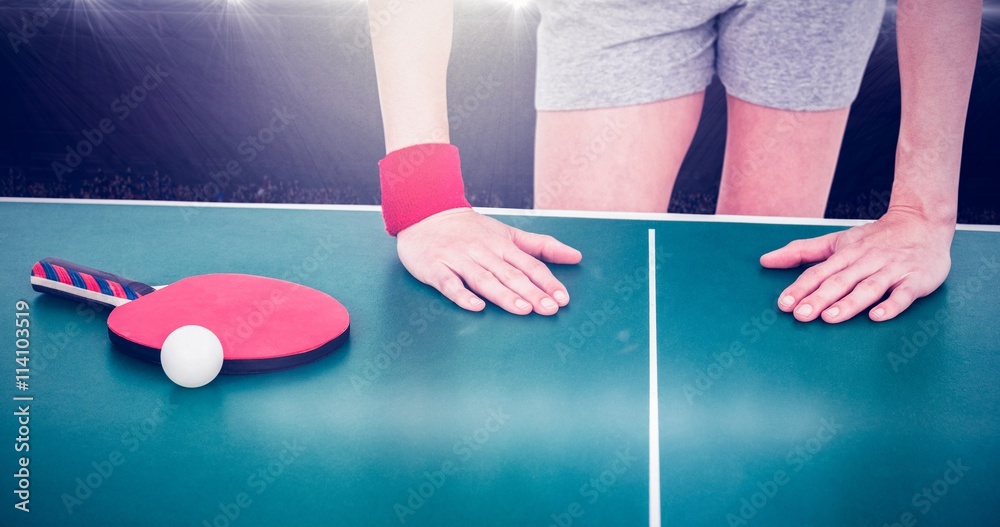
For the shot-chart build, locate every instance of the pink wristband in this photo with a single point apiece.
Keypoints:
(419, 181)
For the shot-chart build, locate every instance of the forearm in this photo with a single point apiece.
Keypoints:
(412, 44)
(937, 44)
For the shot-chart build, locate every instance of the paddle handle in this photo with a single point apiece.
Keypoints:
(69, 280)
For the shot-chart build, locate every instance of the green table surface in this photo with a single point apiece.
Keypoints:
(431, 415)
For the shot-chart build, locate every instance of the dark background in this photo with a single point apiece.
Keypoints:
(230, 64)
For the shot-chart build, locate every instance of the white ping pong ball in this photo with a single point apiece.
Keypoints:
(191, 356)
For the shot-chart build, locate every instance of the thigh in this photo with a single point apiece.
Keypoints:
(797, 54)
(779, 162)
(613, 53)
(791, 69)
(623, 158)
(619, 90)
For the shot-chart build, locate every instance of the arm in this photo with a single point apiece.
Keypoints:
(937, 44)
(412, 44)
(907, 250)
(459, 252)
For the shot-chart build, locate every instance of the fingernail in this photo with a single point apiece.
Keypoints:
(832, 312)
(547, 303)
(561, 297)
(787, 300)
(475, 302)
(804, 310)
(878, 313)
(521, 304)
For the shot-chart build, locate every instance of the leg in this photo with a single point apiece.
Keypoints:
(779, 162)
(806, 58)
(624, 158)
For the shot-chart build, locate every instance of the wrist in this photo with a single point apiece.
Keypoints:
(926, 183)
(418, 182)
(934, 214)
(443, 215)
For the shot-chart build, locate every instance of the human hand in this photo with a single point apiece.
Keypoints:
(462, 254)
(901, 252)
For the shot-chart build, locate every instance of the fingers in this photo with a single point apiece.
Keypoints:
(846, 293)
(540, 275)
(485, 283)
(800, 252)
(809, 281)
(451, 286)
(829, 285)
(545, 247)
(470, 258)
(451, 282)
(901, 297)
(519, 284)
(516, 278)
(866, 293)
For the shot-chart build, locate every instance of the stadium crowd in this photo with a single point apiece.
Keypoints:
(156, 185)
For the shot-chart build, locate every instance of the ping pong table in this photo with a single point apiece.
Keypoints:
(677, 397)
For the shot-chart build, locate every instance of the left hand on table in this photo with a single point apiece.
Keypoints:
(901, 252)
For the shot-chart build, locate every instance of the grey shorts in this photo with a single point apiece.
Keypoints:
(787, 54)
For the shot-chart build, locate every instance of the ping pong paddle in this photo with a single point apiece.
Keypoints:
(264, 324)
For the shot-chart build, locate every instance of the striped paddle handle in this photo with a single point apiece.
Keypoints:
(76, 282)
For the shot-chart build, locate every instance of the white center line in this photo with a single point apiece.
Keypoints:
(654, 397)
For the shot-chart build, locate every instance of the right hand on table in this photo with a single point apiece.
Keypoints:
(462, 254)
